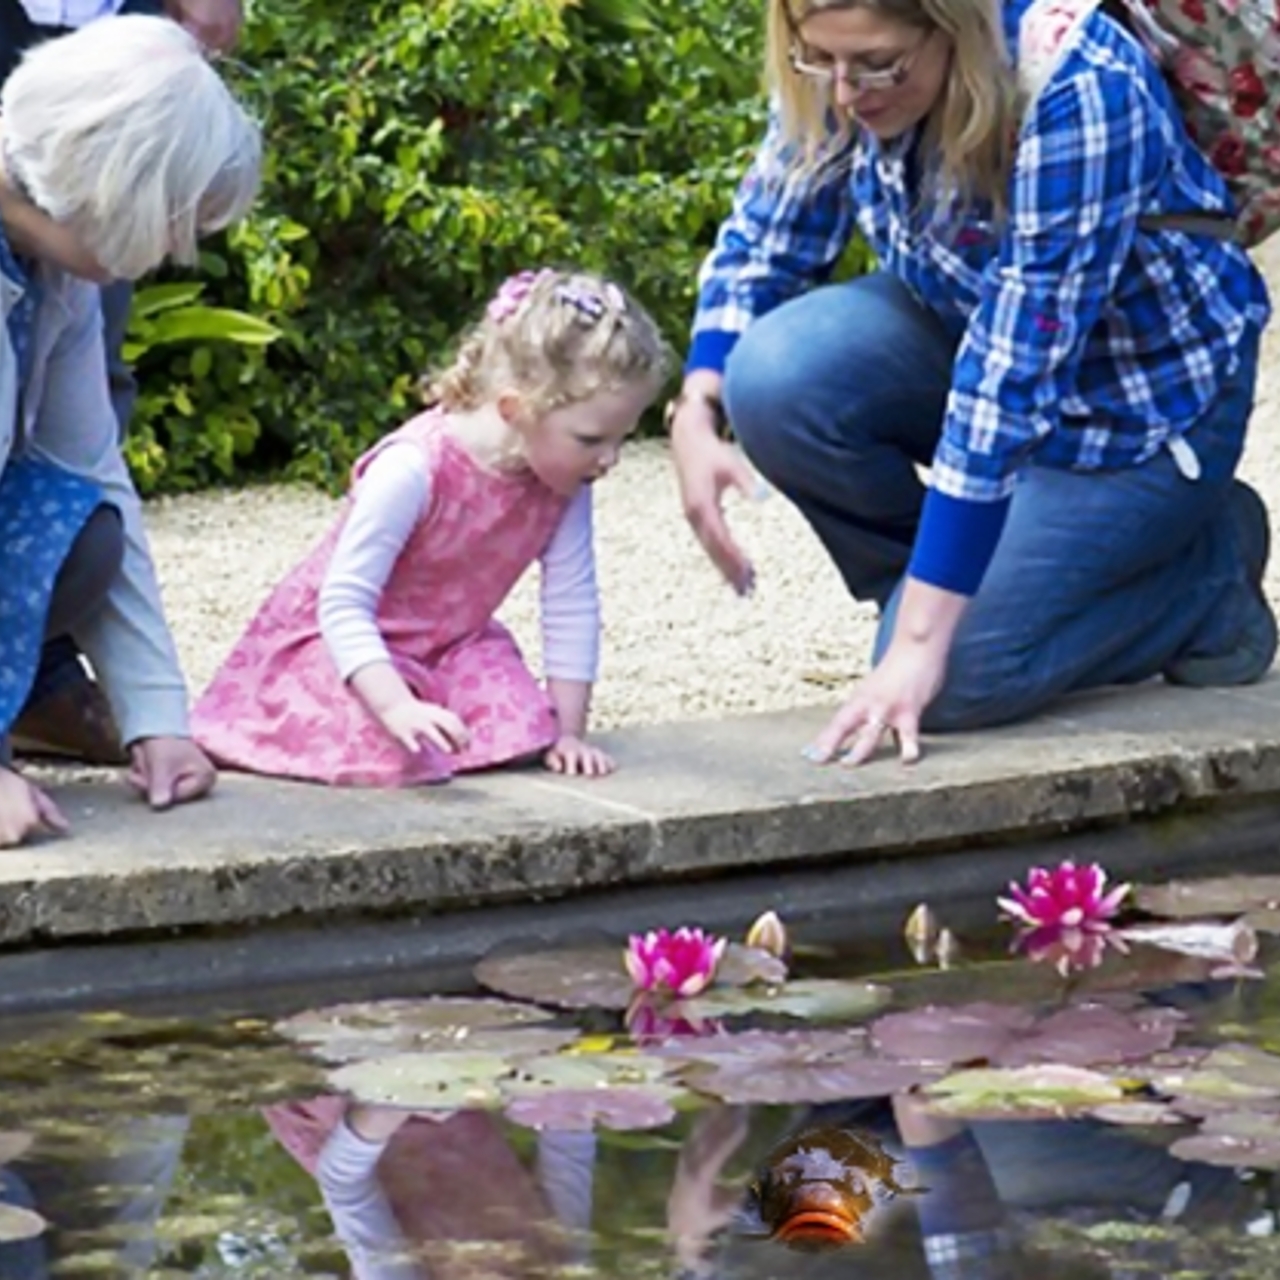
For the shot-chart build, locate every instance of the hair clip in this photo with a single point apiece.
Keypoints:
(511, 293)
(588, 302)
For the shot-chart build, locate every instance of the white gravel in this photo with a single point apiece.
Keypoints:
(678, 643)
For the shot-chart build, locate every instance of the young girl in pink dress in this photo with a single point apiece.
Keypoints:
(377, 661)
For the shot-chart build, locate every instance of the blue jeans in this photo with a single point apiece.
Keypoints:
(1100, 578)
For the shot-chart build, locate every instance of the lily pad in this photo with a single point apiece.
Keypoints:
(563, 1071)
(945, 1035)
(425, 1081)
(583, 1109)
(17, 1223)
(1238, 1139)
(792, 1067)
(590, 977)
(811, 999)
(1230, 1073)
(1090, 1036)
(1138, 1112)
(1030, 1090)
(595, 977)
(349, 1032)
(1217, 896)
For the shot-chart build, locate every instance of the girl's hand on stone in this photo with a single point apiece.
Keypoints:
(169, 771)
(705, 467)
(572, 755)
(414, 723)
(25, 810)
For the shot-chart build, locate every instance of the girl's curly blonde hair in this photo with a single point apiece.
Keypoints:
(553, 337)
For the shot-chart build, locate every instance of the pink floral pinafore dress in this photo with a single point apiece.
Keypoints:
(277, 706)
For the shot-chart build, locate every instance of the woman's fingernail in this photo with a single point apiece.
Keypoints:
(761, 491)
(814, 754)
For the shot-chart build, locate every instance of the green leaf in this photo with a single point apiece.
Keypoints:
(210, 324)
(155, 298)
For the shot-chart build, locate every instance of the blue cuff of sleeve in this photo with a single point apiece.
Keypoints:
(961, 1195)
(955, 541)
(710, 350)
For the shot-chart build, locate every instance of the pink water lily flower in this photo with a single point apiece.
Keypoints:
(1067, 897)
(683, 962)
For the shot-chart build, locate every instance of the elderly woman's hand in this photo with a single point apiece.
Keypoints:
(215, 23)
(169, 771)
(25, 810)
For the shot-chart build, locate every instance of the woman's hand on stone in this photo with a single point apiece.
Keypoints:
(572, 755)
(705, 467)
(25, 810)
(892, 699)
(169, 771)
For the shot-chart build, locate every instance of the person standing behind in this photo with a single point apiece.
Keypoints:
(66, 713)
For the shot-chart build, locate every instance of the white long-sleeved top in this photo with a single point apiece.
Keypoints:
(365, 1223)
(390, 497)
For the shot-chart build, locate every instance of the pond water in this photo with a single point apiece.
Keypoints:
(863, 1112)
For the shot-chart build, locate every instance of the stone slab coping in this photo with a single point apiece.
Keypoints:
(700, 799)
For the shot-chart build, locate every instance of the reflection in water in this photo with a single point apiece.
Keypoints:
(209, 1151)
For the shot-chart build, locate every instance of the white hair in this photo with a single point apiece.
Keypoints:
(124, 132)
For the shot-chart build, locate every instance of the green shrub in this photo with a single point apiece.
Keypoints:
(419, 153)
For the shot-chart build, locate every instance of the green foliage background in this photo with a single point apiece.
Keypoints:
(419, 153)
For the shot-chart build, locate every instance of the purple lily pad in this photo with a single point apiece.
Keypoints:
(968, 1033)
(568, 978)
(595, 976)
(1238, 1139)
(583, 1109)
(792, 1067)
(1090, 1036)
(352, 1032)
(1219, 896)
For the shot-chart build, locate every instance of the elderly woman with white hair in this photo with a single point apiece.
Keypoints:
(119, 147)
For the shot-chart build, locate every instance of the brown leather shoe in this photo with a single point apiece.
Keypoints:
(73, 723)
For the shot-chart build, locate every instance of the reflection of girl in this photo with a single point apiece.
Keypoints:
(406, 1190)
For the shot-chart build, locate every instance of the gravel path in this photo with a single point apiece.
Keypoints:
(678, 644)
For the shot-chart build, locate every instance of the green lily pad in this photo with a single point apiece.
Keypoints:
(17, 1223)
(350, 1032)
(1234, 1073)
(1030, 1090)
(1216, 896)
(425, 1081)
(1139, 1112)
(582, 1109)
(811, 999)
(580, 1071)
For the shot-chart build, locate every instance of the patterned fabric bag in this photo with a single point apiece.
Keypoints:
(1222, 59)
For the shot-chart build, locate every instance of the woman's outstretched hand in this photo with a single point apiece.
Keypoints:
(705, 467)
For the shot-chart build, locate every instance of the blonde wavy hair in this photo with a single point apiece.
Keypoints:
(123, 132)
(972, 127)
(555, 338)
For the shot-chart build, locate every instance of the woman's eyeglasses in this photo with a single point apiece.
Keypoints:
(807, 61)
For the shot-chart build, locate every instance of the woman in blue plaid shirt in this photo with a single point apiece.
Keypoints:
(1075, 369)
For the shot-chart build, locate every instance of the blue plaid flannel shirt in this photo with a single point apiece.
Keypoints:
(1085, 340)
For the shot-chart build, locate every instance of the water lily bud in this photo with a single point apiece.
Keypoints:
(921, 933)
(768, 933)
(947, 950)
